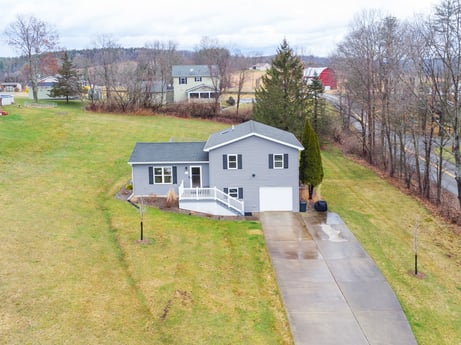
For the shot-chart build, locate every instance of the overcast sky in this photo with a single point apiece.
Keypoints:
(249, 26)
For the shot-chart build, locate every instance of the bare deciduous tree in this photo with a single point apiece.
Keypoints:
(31, 37)
(217, 58)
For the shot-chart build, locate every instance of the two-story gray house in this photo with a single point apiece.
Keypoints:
(194, 82)
(250, 167)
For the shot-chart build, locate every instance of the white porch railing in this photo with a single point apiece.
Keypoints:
(211, 194)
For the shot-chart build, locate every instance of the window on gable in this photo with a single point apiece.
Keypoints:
(278, 161)
(163, 175)
(231, 161)
(182, 80)
(198, 78)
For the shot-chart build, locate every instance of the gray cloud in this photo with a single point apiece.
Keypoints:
(250, 26)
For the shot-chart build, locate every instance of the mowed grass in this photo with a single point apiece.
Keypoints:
(384, 220)
(71, 271)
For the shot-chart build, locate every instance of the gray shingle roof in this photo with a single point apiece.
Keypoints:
(192, 71)
(169, 152)
(249, 128)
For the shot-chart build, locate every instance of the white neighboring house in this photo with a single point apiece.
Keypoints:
(11, 87)
(6, 99)
(195, 83)
(43, 87)
(262, 66)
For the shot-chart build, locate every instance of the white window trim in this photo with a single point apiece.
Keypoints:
(182, 80)
(282, 161)
(163, 175)
(232, 194)
(236, 161)
(198, 79)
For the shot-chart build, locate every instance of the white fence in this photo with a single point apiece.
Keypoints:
(211, 194)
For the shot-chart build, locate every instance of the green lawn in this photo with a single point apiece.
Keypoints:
(72, 272)
(384, 220)
(70, 268)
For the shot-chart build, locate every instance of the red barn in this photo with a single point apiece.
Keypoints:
(325, 74)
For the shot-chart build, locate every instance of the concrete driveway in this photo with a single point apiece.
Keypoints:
(332, 290)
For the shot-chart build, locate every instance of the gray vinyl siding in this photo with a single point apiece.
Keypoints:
(141, 185)
(255, 152)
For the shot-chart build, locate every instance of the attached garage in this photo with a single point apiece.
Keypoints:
(275, 199)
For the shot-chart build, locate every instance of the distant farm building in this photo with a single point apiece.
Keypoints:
(325, 74)
(11, 87)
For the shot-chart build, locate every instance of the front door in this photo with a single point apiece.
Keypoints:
(196, 177)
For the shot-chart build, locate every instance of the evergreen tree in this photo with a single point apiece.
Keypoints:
(314, 90)
(310, 164)
(281, 100)
(67, 84)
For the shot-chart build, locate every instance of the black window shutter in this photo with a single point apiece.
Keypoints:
(271, 161)
(285, 160)
(240, 193)
(226, 190)
(224, 162)
(151, 175)
(175, 175)
(239, 161)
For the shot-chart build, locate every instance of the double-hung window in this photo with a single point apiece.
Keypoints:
(197, 79)
(231, 161)
(163, 175)
(182, 80)
(233, 192)
(278, 161)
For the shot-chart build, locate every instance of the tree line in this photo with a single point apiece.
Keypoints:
(401, 82)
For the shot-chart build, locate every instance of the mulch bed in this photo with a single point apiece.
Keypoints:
(163, 204)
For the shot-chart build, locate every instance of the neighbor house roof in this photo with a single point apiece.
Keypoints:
(248, 129)
(168, 152)
(193, 71)
(311, 72)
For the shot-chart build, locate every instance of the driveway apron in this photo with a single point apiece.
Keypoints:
(332, 290)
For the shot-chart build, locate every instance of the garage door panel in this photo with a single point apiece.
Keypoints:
(275, 199)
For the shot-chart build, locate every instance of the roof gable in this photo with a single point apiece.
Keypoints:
(311, 72)
(193, 71)
(251, 128)
(168, 152)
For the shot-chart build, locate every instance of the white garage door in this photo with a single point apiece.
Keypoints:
(275, 199)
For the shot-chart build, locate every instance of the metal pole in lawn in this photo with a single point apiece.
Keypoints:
(141, 215)
(416, 246)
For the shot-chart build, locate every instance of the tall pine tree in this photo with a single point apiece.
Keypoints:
(310, 164)
(67, 84)
(315, 90)
(281, 100)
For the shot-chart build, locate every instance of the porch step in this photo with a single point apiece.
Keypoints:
(207, 206)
